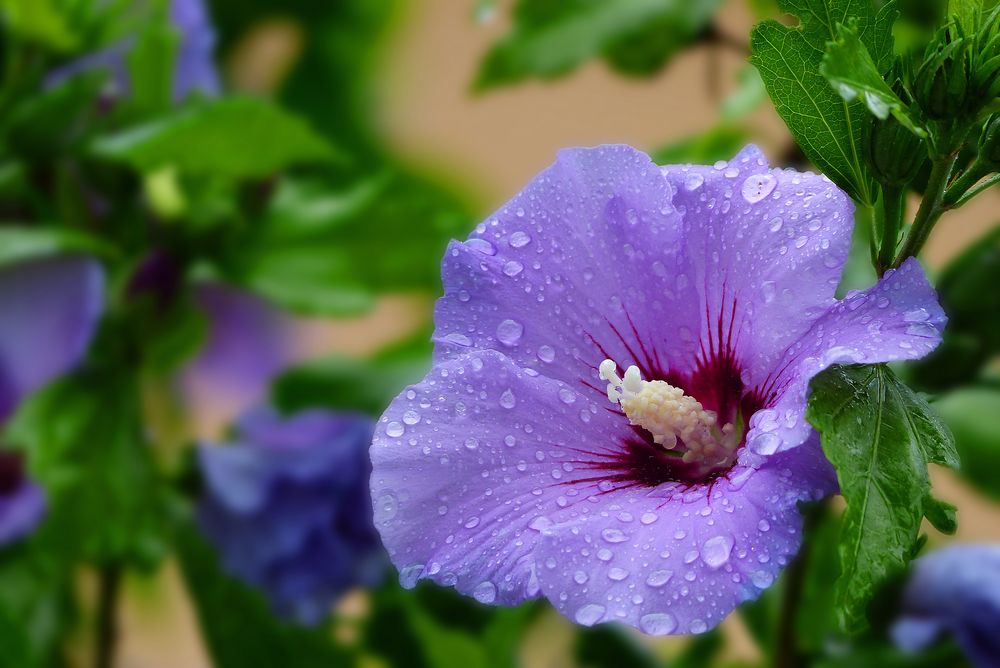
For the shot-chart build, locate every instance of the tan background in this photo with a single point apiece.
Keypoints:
(496, 143)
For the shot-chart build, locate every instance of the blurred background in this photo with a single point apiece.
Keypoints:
(405, 88)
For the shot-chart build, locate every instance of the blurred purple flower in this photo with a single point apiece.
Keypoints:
(523, 466)
(954, 590)
(195, 66)
(286, 504)
(248, 342)
(49, 311)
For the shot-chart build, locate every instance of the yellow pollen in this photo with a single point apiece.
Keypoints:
(670, 416)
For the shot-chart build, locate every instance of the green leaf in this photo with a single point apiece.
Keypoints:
(151, 67)
(849, 68)
(85, 442)
(719, 143)
(552, 37)
(20, 244)
(347, 383)
(234, 138)
(42, 127)
(968, 294)
(236, 624)
(44, 21)
(880, 436)
(970, 413)
(827, 128)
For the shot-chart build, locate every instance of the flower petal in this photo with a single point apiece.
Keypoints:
(20, 511)
(767, 247)
(585, 263)
(897, 319)
(471, 464)
(50, 310)
(679, 563)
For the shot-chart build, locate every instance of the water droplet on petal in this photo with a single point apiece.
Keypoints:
(715, 551)
(485, 592)
(693, 181)
(394, 429)
(546, 353)
(758, 186)
(411, 417)
(513, 268)
(507, 399)
(589, 614)
(658, 623)
(481, 245)
(566, 395)
(698, 626)
(659, 578)
(519, 239)
(614, 535)
(509, 332)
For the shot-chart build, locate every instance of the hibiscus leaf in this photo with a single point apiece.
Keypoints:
(969, 297)
(238, 628)
(550, 38)
(850, 69)
(234, 138)
(828, 128)
(23, 243)
(977, 439)
(880, 436)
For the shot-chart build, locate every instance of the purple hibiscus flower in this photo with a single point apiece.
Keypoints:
(524, 466)
(50, 309)
(194, 70)
(286, 505)
(954, 590)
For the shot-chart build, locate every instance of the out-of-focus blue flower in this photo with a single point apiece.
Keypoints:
(49, 310)
(286, 504)
(955, 590)
(195, 67)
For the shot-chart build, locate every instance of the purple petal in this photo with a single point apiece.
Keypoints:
(21, 509)
(489, 479)
(673, 562)
(248, 342)
(955, 589)
(195, 67)
(897, 319)
(586, 260)
(768, 247)
(49, 311)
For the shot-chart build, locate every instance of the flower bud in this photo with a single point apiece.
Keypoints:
(989, 142)
(942, 82)
(893, 153)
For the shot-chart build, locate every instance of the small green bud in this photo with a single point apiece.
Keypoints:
(893, 153)
(989, 142)
(942, 82)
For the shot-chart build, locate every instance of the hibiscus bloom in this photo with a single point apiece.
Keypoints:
(50, 309)
(523, 465)
(955, 590)
(286, 506)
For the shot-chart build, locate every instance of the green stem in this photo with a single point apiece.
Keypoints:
(972, 192)
(109, 585)
(890, 221)
(930, 208)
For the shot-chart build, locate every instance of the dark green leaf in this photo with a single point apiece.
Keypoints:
(941, 515)
(880, 437)
(44, 21)
(720, 143)
(86, 446)
(19, 244)
(848, 66)
(968, 294)
(151, 68)
(552, 37)
(236, 138)
(826, 127)
(348, 383)
(971, 415)
(237, 626)
(46, 125)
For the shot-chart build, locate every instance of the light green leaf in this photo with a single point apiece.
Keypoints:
(880, 436)
(235, 138)
(151, 67)
(43, 21)
(719, 143)
(971, 415)
(849, 68)
(20, 244)
(552, 37)
(825, 126)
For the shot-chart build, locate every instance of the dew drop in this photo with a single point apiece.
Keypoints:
(411, 417)
(589, 614)
(394, 429)
(507, 399)
(658, 623)
(659, 578)
(546, 353)
(614, 535)
(566, 395)
(758, 186)
(693, 181)
(485, 592)
(580, 577)
(617, 574)
(481, 245)
(509, 332)
(715, 551)
(698, 626)
(519, 239)
(513, 268)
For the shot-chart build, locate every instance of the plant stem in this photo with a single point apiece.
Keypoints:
(109, 585)
(963, 183)
(890, 219)
(930, 208)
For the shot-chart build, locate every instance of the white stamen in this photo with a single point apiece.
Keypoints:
(670, 416)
